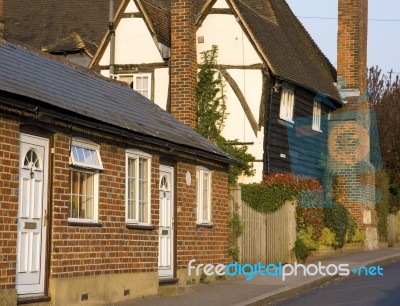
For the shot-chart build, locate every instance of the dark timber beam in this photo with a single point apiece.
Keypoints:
(242, 100)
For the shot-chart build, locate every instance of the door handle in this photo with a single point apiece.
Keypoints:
(173, 222)
(44, 217)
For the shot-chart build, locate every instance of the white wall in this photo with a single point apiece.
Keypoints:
(133, 42)
(224, 31)
(161, 83)
(236, 49)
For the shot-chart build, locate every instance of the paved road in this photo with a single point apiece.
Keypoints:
(355, 291)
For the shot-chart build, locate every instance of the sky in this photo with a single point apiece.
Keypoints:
(383, 36)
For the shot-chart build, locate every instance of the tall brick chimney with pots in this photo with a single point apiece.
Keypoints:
(349, 135)
(183, 62)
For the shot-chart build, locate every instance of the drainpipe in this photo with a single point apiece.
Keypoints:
(112, 39)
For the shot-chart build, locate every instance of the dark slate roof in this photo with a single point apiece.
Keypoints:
(32, 74)
(290, 51)
(72, 43)
(42, 22)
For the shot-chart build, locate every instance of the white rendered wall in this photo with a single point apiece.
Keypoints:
(235, 49)
(133, 42)
(161, 84)
(225, 31)
(221, 4)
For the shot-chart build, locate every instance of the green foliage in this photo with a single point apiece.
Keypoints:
(191, 282)
(236, 228)
(306, 236)
(327, 238)
(211, 99)
(300, 250)
(211, 114)
(382, 203)
(351, 229)
(337, 220)
(221, 277)
(358, 236)
(203, 278)
(267, 199)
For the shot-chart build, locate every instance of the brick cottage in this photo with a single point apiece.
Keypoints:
(103, 194)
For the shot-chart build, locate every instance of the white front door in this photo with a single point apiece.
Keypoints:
(31, 240)
(166, 226)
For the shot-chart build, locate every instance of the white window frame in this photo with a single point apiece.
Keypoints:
(200, 195)
(286, 108)
(134, 80)
(136, 155)
(316, 119)
(88, 168)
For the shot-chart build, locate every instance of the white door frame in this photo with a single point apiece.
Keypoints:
(166, 231)
(32, 215)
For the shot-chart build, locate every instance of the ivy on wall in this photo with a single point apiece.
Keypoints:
(211, 114)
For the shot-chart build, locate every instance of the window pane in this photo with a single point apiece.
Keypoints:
(131, 189)
(198, 197)
(82, 195)
(143, 190)
(85, 156)
(206, 178)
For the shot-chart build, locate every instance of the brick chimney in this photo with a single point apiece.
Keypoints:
(183, 62)
(352, 46)
(349, 134)
(1, 21)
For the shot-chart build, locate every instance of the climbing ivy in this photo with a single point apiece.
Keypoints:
(211, 114)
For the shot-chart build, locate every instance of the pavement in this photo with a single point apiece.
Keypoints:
(263, 290)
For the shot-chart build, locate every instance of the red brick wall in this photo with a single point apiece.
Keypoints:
(206, 245)
(183, 62)
(9, 164)
(78, 251)
(352, 43)
(82, 251)
(349, 145)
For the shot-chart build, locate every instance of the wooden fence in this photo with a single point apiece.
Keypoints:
(393, 234)
(268, 238)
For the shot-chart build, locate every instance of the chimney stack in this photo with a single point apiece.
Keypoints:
(1, 21)
(349, 127)
(183, 62)
(352, 47)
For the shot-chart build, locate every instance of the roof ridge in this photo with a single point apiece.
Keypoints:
(63, 61)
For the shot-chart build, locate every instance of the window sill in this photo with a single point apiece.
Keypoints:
(85, 224)
(141, 227)
(317, 130)
(206, 225)
(287, 122)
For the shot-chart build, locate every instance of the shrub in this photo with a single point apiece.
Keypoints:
(300, 250)
(358, 236)
(327, 238)
(382, 203)
(236, 228)
(351, 229)
(268, 198)
(306, 236)
(337, 220)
